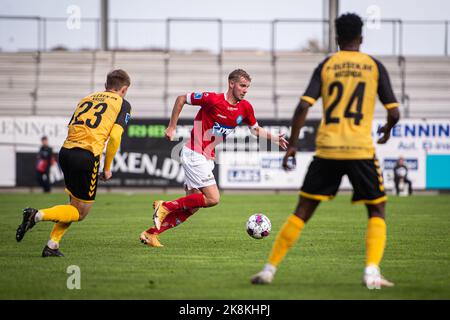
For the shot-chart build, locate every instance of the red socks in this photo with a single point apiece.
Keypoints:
(172, 220)
(180, 210)
(192, 201)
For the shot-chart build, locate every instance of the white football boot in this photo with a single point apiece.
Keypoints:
(265, 276)
(373, 279)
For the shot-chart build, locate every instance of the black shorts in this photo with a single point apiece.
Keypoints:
(324, 177)
(80, 168)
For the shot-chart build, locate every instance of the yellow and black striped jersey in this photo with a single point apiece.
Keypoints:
(348, 82)
(93, 119)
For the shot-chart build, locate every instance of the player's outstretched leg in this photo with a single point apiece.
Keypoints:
(27, 223)
(189, 202)
(62, 215)
(169, 214)
(150, 237)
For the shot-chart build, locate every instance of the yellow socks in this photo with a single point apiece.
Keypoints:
(375, 241)
(63, 213)
(58, 231)
(291, 230)
(287, 236)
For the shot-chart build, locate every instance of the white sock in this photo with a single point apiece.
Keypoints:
(52, 244)
(372, 270)
(270, 268)
(38, 216)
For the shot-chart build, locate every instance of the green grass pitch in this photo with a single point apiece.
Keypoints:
(212, 257)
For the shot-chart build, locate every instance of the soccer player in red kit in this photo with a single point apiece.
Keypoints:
(219, 114)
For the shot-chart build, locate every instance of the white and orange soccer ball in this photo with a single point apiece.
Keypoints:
(258, 226)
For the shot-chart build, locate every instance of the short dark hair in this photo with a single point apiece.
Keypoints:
(44, 138)
(348, 26)
(116, 79)
(237, 74)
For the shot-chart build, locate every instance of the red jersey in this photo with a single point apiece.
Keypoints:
(216, 119)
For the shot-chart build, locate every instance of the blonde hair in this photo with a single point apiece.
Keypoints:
(237, 74)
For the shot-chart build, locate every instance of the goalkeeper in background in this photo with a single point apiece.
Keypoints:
(99, 116)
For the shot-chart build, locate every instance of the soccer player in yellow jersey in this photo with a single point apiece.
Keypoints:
(348, 82)
(98, 116)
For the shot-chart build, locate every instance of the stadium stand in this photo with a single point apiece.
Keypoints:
(49, 83)
(18, 83)
(428, 86)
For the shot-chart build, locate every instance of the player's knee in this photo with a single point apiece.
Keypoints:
(83, 213)
(212, 201)
(376, 213)
(376, 210)
(83, 209)
(82, 216)
(305, 208)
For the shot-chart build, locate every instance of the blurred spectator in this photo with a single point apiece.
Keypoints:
(44, 161)
(401, 177)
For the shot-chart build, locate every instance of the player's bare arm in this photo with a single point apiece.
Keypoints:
(277, 138)
(392, 118)
(172, 127)
(298, 121)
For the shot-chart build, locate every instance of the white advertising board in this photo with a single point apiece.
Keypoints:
(414, 140)
(26, 132)
(7, 166)
(260, 170)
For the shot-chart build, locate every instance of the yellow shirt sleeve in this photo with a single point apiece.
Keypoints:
(113, 145)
